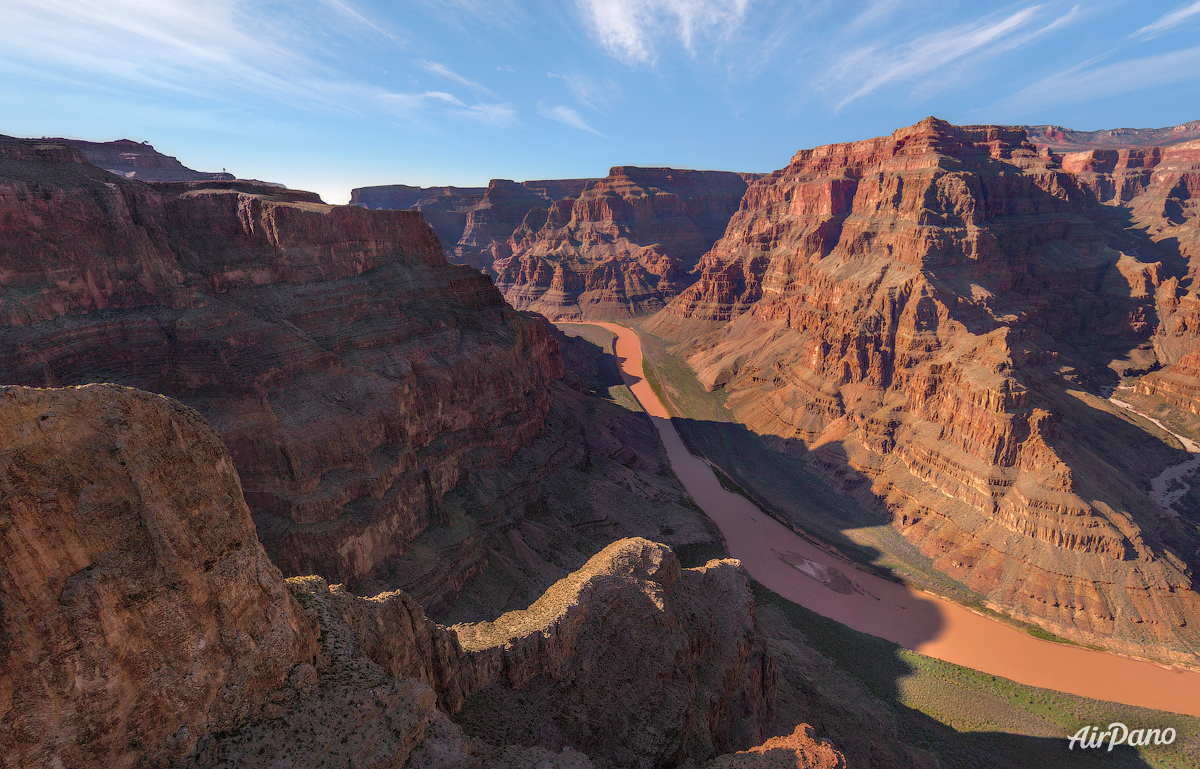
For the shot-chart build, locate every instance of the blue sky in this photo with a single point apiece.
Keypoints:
(332, 94)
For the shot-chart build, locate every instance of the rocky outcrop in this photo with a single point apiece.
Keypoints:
(138, 160)
(631, 659)
(552, 682)
(571, 248)
(502, 210)
(354, 375)
(923, 314)
(799, 750)
(144, 626)
(1156, 188)
(1069, 140)
(138, 609)
(623, 247)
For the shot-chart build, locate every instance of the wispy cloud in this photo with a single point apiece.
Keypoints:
(351, 13)
(590, 92)
(867, 69)
(219, 51)
(567, 116)
(444, 71)
(1088, 81)
(629, 29)
(1170, 20)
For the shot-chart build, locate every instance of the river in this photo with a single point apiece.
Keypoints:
(792, 567)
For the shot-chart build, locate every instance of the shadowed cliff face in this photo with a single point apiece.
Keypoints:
(926, 313)
(144, 626)
(353, 374)
(623, 247)
(138, 608)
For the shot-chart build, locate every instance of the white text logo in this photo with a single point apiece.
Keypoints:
(1120, 734)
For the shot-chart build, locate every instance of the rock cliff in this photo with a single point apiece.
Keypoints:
(929, 315)
(353, 374)
(394, 422)
(138, 160)
(138, 609)
(144, 626)
(622, 247)
(631, 659)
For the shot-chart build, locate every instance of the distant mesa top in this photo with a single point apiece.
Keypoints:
(1067, 139)
(139, 160)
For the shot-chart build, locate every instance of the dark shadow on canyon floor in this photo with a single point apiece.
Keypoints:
(881, 704)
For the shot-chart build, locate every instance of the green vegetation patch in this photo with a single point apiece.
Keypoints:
(961, 714)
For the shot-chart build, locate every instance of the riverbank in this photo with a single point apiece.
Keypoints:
(797, 570)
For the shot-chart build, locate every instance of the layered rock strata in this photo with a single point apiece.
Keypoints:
(353, 374)
(1070, 140)
(139, 160)
(143, 625)
(703, 683)
(622, 247)
(473, 223)
(138, 609)
(924, 313)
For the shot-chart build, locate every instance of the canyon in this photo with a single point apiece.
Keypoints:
(369, 505)
(145, 626)
(607, 248)
(393, 422)
(933, 318)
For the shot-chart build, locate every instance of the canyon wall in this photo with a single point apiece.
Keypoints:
(622, 248)
(144, 626)
(928, 315)
(139, 609)
(353, 374)
(615, 247)
(472, 223)
(395, 424)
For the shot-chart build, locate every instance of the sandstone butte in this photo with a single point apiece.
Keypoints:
(935, 316)
(580, 248)
(394, 423)
(145, 626)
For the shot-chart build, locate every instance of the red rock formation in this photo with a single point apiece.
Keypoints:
(143, 624)
(623, 247)
(138, 160)
(354, 375)
(445, 208)
(1069, 140)
(1159, 187)
(799, 750)
(905, 307)
(473, 223)
(139, 609)
(502, 211)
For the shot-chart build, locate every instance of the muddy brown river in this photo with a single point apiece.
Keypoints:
(789, 565)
